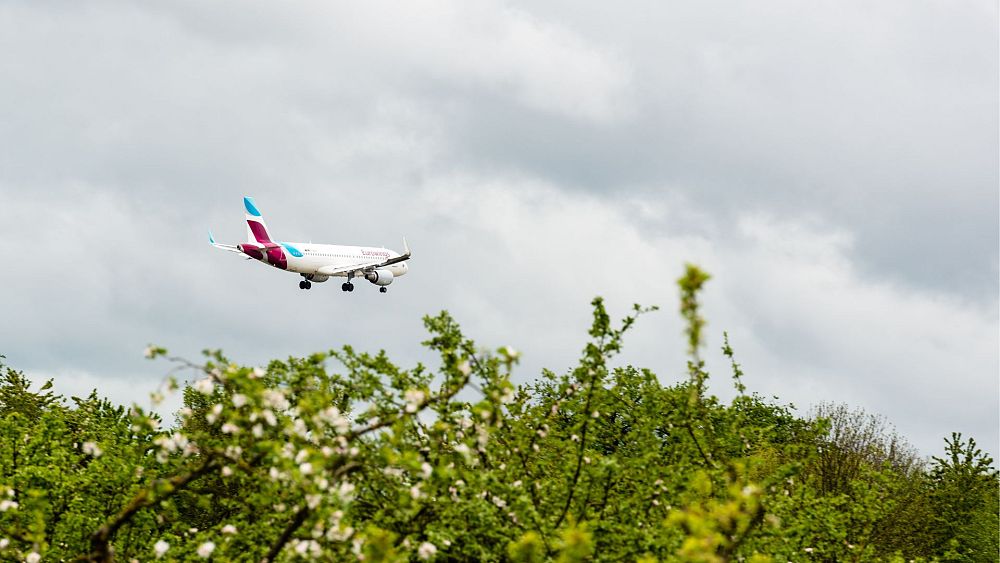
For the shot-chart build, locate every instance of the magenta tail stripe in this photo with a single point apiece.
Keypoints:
(259, 232)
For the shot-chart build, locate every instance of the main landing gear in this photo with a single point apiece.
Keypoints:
(383, 289)
(348, 286)
(305, 284)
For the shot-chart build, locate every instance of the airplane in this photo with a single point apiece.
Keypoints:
(318, 262)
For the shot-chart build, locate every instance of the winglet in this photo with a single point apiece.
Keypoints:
(211, 239)
(406, 247)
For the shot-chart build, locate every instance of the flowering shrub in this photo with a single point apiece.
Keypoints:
(344, 455)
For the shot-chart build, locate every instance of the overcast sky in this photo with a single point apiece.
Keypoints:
(833, 165)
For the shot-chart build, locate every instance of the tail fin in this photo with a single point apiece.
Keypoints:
(256, 229)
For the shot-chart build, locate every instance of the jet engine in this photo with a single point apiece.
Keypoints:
(379, 277)
(318, 278)
(251, 250)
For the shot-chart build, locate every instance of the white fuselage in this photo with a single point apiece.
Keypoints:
(317, 257)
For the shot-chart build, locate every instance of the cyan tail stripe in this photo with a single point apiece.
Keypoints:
(251, 208)
(292, 250)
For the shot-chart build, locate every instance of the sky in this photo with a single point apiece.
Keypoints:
(833, 165)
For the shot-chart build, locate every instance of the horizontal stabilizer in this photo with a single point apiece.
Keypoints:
(229, 247)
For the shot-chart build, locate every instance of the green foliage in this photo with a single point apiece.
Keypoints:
(964, 496)
(344, 455)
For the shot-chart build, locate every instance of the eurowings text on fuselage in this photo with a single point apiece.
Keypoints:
(318, 262)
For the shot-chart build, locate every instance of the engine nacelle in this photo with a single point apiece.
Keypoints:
(318, 278)
(251, 250)
(379, 277)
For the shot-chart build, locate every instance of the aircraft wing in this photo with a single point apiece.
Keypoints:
(359, 267)
(365, 266)
(404, 257)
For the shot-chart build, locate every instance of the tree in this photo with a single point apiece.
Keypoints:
(344, 455)
(964, 496)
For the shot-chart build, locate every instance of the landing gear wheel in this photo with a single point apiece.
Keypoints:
(383, 289)
(307, 284)
(343, 287)
(350, 286)
(302, 284)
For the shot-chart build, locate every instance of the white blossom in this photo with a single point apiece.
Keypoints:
(574, 438)
(332, 417)
(426, 550)
(6, 505)
(269, 417)
(230, 428)
(204, 386)
(211, 418)
(346, 490)
(464, 368)
(507, 395)
(92, 449)
(426, 470)
(229, 529)
(149, 352)
(206, 549)
(273, 398)
(257, 372)
(413, 398)
(160, 548)
(306, 468)
(33, 557)
(415, 492)
(299, 428)
(227, 471)
(257, 430)
(239, 400)
(4, 542)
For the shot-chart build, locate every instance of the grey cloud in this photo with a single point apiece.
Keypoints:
(535, 157)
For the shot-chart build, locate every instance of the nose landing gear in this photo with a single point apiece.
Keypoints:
(383, 289)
